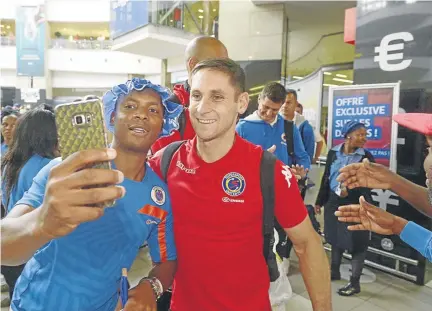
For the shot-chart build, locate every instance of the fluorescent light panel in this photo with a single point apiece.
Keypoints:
(342, 80)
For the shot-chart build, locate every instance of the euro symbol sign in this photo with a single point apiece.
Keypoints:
(387, 46)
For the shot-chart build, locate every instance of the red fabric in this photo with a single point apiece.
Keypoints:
(350, 26)
(188, 133)
(418, 122)
(177, 14)
(219, 241)
(182, 94)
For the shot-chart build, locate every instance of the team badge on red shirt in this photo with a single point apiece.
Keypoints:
(233, 184)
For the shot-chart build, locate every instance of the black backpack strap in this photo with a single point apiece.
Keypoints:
(167, 157)
(182, 124)
(289, 137)
(268, 162)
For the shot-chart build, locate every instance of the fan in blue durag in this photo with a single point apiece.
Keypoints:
(172, 110)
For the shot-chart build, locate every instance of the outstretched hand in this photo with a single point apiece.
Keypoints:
(371, 218)
(365, 174)
(299, 171)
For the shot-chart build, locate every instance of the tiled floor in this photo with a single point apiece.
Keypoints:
(386, 293)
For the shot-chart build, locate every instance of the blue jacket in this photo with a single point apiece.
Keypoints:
(308, 138)
(263, 134)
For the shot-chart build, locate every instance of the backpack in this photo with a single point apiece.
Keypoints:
(289, 138)
(268, 162)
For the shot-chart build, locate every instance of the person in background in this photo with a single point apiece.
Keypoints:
(300, 121)
(215, 188)
(34, 146)
(198, 49)
(332, 195)
(266, 128)
(377, 176)
(8, 120)
(76, 249)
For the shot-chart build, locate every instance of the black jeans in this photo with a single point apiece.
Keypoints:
(357, 262)
(11, 275)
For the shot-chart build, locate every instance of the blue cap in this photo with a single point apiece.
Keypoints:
(351, 126)
(111, 98)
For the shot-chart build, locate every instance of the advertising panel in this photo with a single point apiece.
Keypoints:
(373, 105)
(30, 40)
(128, 15)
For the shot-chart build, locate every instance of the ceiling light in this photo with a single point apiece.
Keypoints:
(171, 20)
(7, 27)
(200, 16)
(341, 76)
(258, 32)
(201, 10)
(250, 57)
(329, 84)
(297, 77)
(327, 73)
(342, 80)
(214, 10)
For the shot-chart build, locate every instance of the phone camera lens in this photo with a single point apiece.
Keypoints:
(79, 120)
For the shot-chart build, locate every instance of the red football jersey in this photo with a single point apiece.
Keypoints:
(217, 210)
(188, 133)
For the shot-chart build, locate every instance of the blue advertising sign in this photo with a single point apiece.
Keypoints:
(128, 15)
(373, 106)
(30, 40)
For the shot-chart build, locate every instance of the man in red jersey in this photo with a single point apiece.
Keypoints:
(214, 183)
(199, 49)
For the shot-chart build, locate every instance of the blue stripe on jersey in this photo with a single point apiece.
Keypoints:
(81, 271)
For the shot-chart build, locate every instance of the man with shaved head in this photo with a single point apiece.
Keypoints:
(199, 49)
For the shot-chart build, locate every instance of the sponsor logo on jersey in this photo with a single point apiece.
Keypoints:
(185, 169)
(229, 200)
(151, 222)
(233, 184)
(158, 195)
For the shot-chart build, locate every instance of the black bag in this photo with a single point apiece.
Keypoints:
(289, 138)
(267, 166)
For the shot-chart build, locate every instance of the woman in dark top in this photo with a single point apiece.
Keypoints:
(332, 195)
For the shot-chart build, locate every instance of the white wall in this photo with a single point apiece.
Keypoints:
(8, 57)
(64, 79)
(63, 10)
(78, 10)
(8, 77)
(251, 32)
(97, 61)
(156, 79)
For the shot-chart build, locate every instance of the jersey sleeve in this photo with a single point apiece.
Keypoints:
(161, 239)
(35, 195)
(155, 162)
(289, 206)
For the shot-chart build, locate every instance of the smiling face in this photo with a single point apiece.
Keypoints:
(268, 109)
(215, 104)
(8, 128)
(138, 120)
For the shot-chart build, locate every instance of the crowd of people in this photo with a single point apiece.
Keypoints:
(187, 179)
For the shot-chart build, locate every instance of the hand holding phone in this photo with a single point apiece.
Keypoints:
(72, 192)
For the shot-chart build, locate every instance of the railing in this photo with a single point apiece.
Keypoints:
(7, 41)
(179, 14)
(81, 44)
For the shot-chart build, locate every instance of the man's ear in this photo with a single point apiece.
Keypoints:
(243, 102)
(192, 63)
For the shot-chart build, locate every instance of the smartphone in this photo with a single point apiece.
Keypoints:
(81, 126)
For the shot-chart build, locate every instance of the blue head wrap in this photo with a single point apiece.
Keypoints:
(116, 95)
(350, 127)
